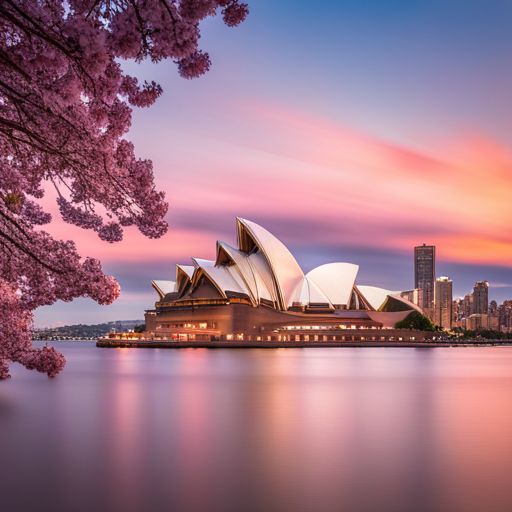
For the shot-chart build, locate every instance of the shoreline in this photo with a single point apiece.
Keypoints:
(105, 343)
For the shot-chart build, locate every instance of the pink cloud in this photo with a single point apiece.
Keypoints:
(302, 167)
(277, 163)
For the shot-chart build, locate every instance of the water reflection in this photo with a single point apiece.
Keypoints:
(301, 429)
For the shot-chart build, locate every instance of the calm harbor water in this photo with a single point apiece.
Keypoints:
(327, 429)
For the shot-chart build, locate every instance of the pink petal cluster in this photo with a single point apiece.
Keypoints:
(16, 345)
(234, 13)
(194, 65)
(65, 107)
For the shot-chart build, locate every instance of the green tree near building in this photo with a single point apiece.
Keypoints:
(415, 320)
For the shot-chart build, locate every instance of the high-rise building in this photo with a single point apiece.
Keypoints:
(467, 305)
(458, 318)
(505, 316)
(443, 302)
(424, 275)
(456, 311)
(477, 322)
(494, 319)
(481, 298)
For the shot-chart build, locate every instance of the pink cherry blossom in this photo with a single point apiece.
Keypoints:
(16, 339)
(65, 107)
(194, 65)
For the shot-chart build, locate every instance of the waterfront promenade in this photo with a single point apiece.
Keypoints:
(113, 343)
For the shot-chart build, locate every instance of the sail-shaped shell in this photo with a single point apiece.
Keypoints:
(163, 287)
(335, 281)
(252, 268)
(374, 295)
(284, 270)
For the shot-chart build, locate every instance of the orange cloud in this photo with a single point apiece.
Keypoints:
(303, 167)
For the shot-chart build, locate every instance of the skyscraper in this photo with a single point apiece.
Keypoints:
(467, 305)
(443, 302)
(494, 320)
(505, 316)
(424, 275)
(481, 298)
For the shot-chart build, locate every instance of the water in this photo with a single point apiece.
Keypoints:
(325, 429)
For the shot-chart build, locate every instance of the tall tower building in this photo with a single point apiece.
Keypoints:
(456, 311)
(444, 302)
(467, 305)
(481, 298)
(424, 275)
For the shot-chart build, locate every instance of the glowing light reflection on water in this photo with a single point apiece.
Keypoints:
(287, 429)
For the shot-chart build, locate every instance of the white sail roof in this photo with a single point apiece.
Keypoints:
(251, 268)
(308, 293)
(225, 280)
(284, 269)
(163, 287)
(407, 302)
(335, 280)
(184, 275)
(187, 269)
(263, 277)
(199, 262)
(374, 295)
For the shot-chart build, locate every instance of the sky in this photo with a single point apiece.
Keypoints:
(352, 130)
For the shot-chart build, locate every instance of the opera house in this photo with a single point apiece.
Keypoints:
(258, 292)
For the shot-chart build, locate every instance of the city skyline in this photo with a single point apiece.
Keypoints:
(373, 160)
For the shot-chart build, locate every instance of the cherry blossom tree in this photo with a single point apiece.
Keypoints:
(65, 107)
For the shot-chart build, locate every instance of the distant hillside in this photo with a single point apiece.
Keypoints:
(83, 331)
